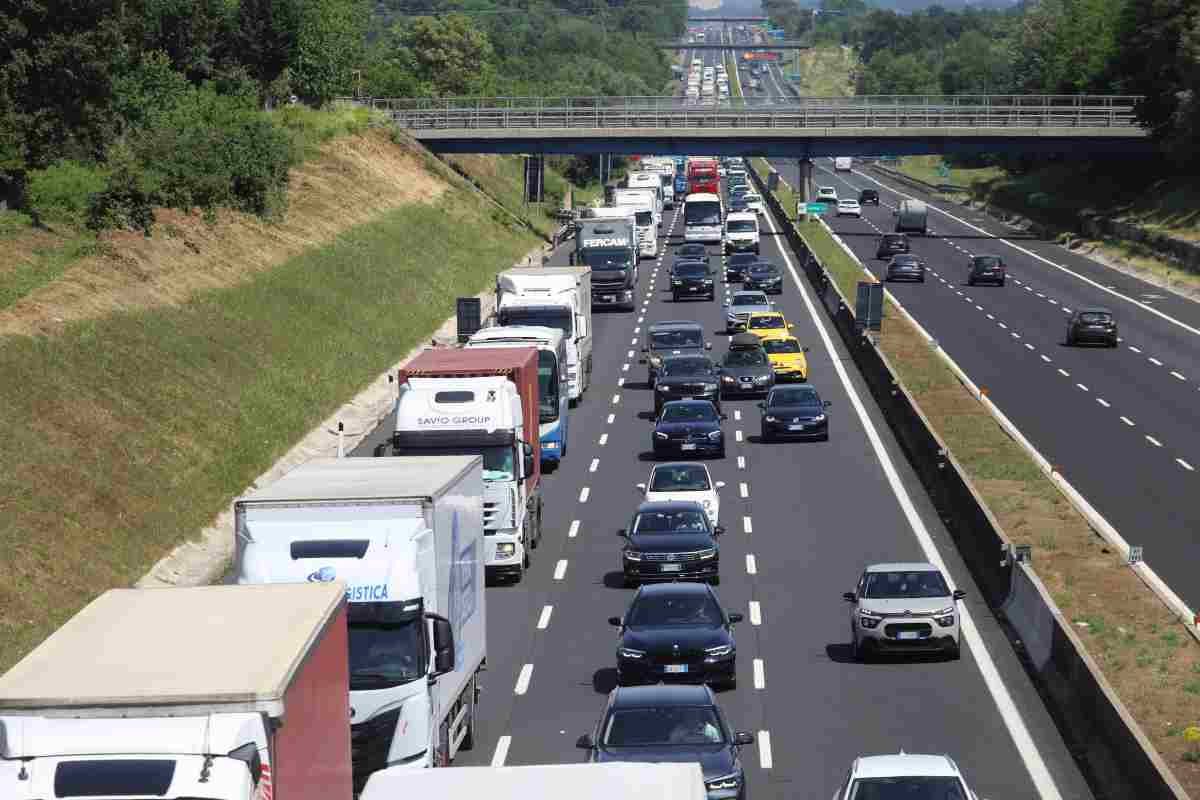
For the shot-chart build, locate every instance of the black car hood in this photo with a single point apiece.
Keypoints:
(680, 380)
(803, 412)
(687, 427)
(688, 637)
(677, 351)
(754, 370)
(714, 760)
(670, 542)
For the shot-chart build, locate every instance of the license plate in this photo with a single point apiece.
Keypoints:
(908, 635)
(693, 288)
(689, 447)
(675, 669)
(795, 427)
(687, 397)
(609, 298)
(670, 567)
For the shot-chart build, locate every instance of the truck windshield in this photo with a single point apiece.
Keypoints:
(386, 654)
(644, 218)
(607, 259)
(546, 317)
(548, 379)
(706, 212)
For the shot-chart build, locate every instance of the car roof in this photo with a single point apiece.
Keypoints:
(902, 566)
(674, 588)
(1095, 310)
(750, 292)
(669, 505)
(673, 324)
(678, 464)
(662, 695)
(766, 313)
(763, 265)
(744, 341)
(904, 765)
(686, 357)
(742, 216)
(708, 403)
(743, 257)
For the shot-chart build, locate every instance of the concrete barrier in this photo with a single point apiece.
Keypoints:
(1114, 755)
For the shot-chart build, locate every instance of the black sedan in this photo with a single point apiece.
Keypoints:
(1094, 325)
(986, 269)
(738, 204)
(794, 412)
(906, 267)
(692, 252)
(692, 279)
(687, 378)
(868, 197)
(765, 276)
(746, 369)
(676, 632)
(890, 244)
(670, 540)
(736, 265)
(671, 724)
(688, 427)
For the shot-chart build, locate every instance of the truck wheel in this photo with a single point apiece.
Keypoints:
(468, 741)
(380, 449)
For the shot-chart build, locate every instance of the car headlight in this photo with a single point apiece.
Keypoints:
(661, 388)
(707, 504)
(708, 281)
(868, 620)
(709, 553)
(731, 781)
(550, 446)
(656, 361)
(945, 621)
(762, 379)
(660, 436)
(720, 650)
(506, 549)
(632, 555)
(629, 652)
(710, 387)
(771, 418)
(676, 282)
(727, 379)
(715, 435)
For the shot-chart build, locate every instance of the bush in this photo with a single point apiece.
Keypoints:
(128, 198)
(62, 192)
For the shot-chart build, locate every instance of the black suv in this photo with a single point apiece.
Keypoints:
(986, 269)
(669, 540)
(890, 244)
(687, 378)
(736, 264)
(868, 197)
(1095, 325)
(671, 338)
(746, 369)
(692, 279)
(693, 251)
(905, 266)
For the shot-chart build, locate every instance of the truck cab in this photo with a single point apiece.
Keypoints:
(642, 204)
(610, 248)
(553, 297)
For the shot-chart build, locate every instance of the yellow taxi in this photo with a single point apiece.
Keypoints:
(767, 324)
(786, 357)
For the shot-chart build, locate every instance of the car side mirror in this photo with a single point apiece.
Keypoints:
(741, 738)
(708, 345)
(849, 597)
(827, 403)
(528, 458)
(585, 742)
(622, 533)
(804, 349)
(959, 594)
(734, 619)
(720, 484)
(614, 621)
(762, 406)
(443, 645)
(719, 530)
(641, 486)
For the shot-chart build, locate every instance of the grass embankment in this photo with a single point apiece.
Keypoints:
(827, 70)
(125, 434)
(33, 255)
(1150, 659)
(503, 177)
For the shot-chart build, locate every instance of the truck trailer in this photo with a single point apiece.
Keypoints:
(405, 535)
(216, 692)
(662, 781)
(609, 247)
(483, 402)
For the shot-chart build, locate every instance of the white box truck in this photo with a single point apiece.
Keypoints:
(405, 535)
(556, 297)
(647, 179)
(548, 781)
(215, 692)
(641, 202)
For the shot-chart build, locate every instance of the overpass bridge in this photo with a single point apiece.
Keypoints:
(757, 20)
(803, 127)
(774, 44)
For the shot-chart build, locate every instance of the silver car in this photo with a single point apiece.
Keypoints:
(905, 607)
(741, 306)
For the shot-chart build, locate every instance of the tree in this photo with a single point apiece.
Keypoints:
(1154, 60)
(449, 54)
(264, 39)
(330, 35)
(975, 64)
(193, 33)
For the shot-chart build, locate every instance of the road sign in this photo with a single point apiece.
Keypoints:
(815, 208)
(943, 171)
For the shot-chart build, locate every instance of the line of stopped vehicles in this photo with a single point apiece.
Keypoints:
(345, 654)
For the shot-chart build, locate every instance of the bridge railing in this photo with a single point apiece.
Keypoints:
(878, 111)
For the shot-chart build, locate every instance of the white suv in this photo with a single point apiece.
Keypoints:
(684, 481)
(826, 194)
(904, 776)
(741, 232)
(904, 608)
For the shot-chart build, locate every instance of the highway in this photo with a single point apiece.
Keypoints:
(803, 520)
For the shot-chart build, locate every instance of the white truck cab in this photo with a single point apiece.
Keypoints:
(554, 297)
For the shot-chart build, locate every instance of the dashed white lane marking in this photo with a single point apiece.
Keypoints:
(1063, 372)
(625, 367)
(1016, 335)
(737, 414)
(1185, 465)
(1039, 294)
(523, 679)
(1127, 421)
(1046, 358)
(991, 317)
(737, 435)
(611, 417)
(603, 439)
(620, 382)
(958, 293)
(560, 569)
(1081, 386)
(764, 749)
(594, 465)
(744, 489)
(544, 619)
(632, 341)
(573, 531)
(1002, 325)
(755, 613)
(1177, 375)
(1153, 441)
(760, 679)
(629, 354)
(637, 329)
(501, 751)
(1028, 346)
(1134, 349)
(751, 566)
(616, 399)
(741, 462)
(747, 525)
(1066, 310)
(1017, 281)
(1052, 301)
(640, 319)
(979, 308)
(583, 494)
(1155, 362)
(1103, 402)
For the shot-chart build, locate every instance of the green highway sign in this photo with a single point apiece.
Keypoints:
(815, 208)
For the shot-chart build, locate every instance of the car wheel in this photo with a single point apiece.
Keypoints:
(921, 279)
(954, 652)
(1002, 280)
(825, 438)
(857, 651)
(1113, 343)
(1070, 340)
(970, 281)
(674, 298)
(628, 582)
(721, 452)
(715, 580)
(763, 434)
(730, 685)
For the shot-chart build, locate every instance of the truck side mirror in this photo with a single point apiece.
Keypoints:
(708, 345)
(248, 754)
(641, 487)
(527, 452)
(443, 645)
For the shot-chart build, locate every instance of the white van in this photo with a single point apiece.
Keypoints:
(741, 232)
(843, 164)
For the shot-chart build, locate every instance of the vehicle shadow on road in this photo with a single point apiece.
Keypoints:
(614, 580)
(604, 680)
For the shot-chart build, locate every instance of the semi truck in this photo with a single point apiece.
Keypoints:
(215, 692)
(610, 248)
(553, 390)
(484, 402)
(405, 536)
(554, 297)
(647, 179)
(662, 781)
(704, 176)
(641, 203)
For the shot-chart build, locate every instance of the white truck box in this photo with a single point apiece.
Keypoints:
(548, 781)
(524, 295)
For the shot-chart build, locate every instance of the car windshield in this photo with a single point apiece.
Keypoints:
(667, 725)
(644, 219)
(697, 251)
(1095, 317)
(680, 478)
(386, 654)
(904, 585)
(941, 787)
(763, 269)
(691, 269)
(987, 262)
(849, 203)
(742, 226)
(679, 521)
(750, 197)
(745, 358)
(749, 300)
(741, 258)
(905, 259)
(667, 340)
(676, 367)
(702, 212)
(777, 346)
(689, 412)
(766, 321)
(893, 240)
(795, 396)
(607, 259)
(692, 609)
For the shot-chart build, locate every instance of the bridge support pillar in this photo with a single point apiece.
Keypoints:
(805, 189)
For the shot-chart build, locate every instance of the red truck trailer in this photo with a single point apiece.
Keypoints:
(703, 176)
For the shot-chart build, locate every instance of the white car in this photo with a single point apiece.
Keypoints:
(904, 607)
(684, 481)
(826, 193)
(754, 203)
(904, 775)
(849, 207)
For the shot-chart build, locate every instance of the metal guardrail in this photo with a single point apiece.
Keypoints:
(967, 111)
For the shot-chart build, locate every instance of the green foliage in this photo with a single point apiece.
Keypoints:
(447, 56)
(62, 191)
(328, 45)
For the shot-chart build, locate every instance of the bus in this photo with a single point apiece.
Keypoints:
(702, 217)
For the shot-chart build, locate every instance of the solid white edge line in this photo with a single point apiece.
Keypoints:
(501, 752)
(523, 679)
(1030, 756)
(764, 749)
(544, 619)
(760, 678)
(560, 569)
